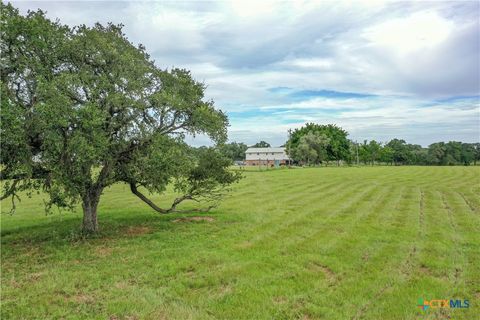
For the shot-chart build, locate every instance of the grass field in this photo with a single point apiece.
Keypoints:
(323, 243)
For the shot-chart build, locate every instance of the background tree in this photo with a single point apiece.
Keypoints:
(234, 151)
(261, 144)
(453, 151)
(400, 151)
(476, 157)
(83, 108)
(352, 155)
(386, 155)
(416, 154)
(363, 152)
(312, 149)
(467, 153)
(374, 149)
(437, 153)
(338, 147)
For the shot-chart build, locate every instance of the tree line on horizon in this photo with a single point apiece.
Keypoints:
(315, 144)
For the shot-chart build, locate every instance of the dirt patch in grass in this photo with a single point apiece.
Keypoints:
(15, 284)
(138, 230)
(82, 299)
(32, 251)
(193, 219)
(225, 289)
(425, 270)
(124, 318)
(366, 256)
(280, 300)
(35, 276)
(103, 251)
(316, 267)
(329, 274)
(158, 315)
(122, 285)
(189, 273)
(477, 295)
(245, 245)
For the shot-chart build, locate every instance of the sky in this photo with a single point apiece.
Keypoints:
(380, 70)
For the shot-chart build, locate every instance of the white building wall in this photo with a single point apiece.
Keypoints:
(266, 154)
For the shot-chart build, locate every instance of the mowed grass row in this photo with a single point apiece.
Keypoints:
(319, 243)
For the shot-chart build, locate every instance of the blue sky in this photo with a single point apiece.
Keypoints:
(378, 69)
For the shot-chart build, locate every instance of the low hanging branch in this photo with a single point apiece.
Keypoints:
(11, 190)
(173, 208)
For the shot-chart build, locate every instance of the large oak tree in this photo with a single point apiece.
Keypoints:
(83, 108)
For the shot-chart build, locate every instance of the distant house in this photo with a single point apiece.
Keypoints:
(266, 157)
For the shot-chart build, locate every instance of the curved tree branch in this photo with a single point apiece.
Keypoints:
(173, 208)
(10, 191)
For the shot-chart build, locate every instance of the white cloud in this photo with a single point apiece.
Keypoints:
(310, 63)
(421, 30)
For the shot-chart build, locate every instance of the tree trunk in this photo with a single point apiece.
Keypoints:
(90, 203)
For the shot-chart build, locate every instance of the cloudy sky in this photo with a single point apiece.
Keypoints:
(378, 69)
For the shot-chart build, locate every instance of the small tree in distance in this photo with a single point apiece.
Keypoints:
(337, 145)
(234, 150)
(311, 149)
(261, 144)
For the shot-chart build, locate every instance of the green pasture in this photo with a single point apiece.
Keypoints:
(313, 243)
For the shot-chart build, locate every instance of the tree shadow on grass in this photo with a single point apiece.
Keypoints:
(67, 230)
